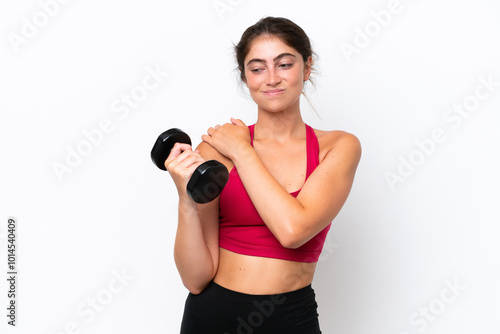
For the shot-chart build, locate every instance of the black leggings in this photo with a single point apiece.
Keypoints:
(218, 310)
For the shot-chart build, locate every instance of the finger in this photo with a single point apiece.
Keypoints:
(187, 154)
(192, 159)
(186, 168)
(183, 161)
(178, 154)
(178, 149)
(190, 170)
(238, 122)
(207, 139)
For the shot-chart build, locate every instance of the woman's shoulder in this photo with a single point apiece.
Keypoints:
(338, 141)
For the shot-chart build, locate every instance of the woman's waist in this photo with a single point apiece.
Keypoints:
(262, 275)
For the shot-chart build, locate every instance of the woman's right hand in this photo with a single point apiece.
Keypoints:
(181, 164)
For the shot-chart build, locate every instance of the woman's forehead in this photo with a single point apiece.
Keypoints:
(268, 47)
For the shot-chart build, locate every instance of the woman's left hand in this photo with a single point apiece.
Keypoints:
(229, 139)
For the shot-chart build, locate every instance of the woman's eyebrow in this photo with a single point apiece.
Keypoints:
(258, 60)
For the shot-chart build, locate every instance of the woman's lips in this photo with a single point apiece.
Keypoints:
(273, 92)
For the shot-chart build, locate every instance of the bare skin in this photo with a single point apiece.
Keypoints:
(270, 170)
(260, 275)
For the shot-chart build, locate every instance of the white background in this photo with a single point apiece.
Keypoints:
(392, 252)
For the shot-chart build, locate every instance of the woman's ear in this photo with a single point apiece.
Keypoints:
(242, 75)
(308, 68)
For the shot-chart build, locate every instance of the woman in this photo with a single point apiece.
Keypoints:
(248, 258)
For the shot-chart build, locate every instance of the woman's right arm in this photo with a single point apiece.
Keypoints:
(196, 250)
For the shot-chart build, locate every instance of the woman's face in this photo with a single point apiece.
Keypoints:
(275, 74)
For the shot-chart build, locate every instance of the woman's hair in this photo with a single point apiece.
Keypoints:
(287, 31)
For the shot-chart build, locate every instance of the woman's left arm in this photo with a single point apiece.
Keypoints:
(293, 221)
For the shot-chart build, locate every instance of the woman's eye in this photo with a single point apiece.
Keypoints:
(256, 70)
(285, 66)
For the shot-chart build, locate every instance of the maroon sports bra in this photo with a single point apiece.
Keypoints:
(243, 231)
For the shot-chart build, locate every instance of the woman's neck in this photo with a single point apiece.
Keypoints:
(279, 126)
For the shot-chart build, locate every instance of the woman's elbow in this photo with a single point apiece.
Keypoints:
(196, 285)
(292, 239)
(291, 245)
(195, 289)
(296, 234)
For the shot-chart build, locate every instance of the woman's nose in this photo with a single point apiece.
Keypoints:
(273, 78)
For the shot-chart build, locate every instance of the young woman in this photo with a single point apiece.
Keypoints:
(248, 258)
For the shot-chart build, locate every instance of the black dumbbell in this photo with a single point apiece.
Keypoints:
(208, 179)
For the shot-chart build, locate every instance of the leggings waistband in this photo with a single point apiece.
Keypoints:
(290, 296)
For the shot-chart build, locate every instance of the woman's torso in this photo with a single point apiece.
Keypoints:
(287, 163)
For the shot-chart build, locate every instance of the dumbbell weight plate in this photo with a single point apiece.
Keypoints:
(164, 145)
(207, 181)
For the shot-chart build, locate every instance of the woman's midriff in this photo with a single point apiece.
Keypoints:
(261, 275)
